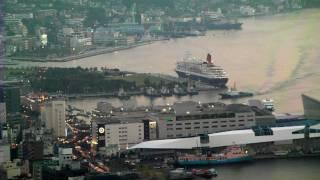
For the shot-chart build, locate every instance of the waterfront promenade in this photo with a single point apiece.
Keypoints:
(90, 53)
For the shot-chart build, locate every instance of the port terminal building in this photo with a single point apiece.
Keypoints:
(298, 137)
(262, 140)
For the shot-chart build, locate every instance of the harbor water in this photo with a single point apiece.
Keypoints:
(276, 169)
(275, 56)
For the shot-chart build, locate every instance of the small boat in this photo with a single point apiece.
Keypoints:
(205, 173)
(268, 104)
(180, 174)
(233, 93)
(165, 91)
(152, 92)
(179, 91)
(192, 92)
(232, 154)
(122, 94)
(281, 153)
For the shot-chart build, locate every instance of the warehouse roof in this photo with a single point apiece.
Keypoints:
(228, 138)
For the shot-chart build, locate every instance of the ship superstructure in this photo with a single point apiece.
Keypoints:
(203, 71)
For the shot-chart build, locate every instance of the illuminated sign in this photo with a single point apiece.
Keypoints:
(101, 130)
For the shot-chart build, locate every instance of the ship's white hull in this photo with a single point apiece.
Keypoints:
(217, 82)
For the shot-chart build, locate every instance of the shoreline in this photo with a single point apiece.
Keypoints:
(84, 55)
(101, 51)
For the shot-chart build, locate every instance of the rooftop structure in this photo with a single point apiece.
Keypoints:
(311, 106)
(185, 119)
(238, 137)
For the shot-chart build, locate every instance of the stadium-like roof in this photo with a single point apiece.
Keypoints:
(228, 138)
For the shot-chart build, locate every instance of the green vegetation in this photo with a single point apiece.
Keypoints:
(311, 3)
(141, 80)
(82, 80)
(76, 80)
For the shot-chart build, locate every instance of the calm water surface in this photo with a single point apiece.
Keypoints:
(276, 56)
(281, 169)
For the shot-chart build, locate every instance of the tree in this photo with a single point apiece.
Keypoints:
(147, 82)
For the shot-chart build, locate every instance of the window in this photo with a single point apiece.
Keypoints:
(232, 125)
(232, 121)
(223, 126)
(205, 122)
(196, 123)
(178, 129)
(241, 125)
(250, 120)
(214, 126)
(241, 120)
(188, 128)
(223, 121)
(214, 122)
(187, 123)
(206, 127)
(178, 124)
(169, 129)
(197, 127)
(169, 124)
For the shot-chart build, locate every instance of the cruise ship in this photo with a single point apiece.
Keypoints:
(203, 71)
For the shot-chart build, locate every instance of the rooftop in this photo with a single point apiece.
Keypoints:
(193, 108)
(229, 138)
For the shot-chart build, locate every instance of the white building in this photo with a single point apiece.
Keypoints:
(66, 159)
(54, 116)
(3, 112)
(124, 135)
(12, 169)
(229, 138)
(78, 43)
(4, 153)
(247, 11)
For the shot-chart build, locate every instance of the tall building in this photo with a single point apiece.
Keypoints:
(1, 93)
(32, 150)
(114, 135)
(54, 116)
(3, 114)
(123, 134)
(12, 99)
